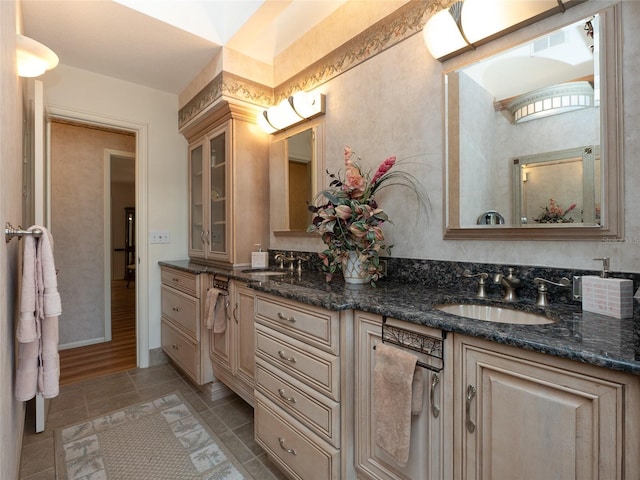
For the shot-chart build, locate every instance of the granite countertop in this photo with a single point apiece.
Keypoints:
(581, 336)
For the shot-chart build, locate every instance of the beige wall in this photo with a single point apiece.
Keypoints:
(12, 417)
(77, 224)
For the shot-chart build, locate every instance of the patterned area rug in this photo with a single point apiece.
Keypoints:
(163, 439)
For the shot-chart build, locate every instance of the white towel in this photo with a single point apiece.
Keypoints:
(38, 366)
(394, 380)
(215, 312)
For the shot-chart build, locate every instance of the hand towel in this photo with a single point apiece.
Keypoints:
(214, 311)
(393, 385)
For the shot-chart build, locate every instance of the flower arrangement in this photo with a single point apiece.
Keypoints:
(349, 219)
(554, 213)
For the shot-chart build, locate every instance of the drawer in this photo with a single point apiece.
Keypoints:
(316, 326)
(312, 409)
(180, 348)
(183, 281)
(313, 367)
(289, 444)
(182, 310)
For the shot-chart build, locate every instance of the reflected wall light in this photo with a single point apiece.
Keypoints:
(291, 111)
(469, 23)
(34, 58)
(552, 100)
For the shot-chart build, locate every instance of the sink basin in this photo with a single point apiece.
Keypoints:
(264, 271)
(490, 313)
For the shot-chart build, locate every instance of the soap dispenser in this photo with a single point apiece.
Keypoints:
(606, 295)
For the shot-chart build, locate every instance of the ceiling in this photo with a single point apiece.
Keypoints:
(164, 44)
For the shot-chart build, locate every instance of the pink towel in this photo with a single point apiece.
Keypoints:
(215, 312)
(394, 381)
(38, 366)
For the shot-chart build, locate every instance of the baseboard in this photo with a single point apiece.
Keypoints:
(217, 390)
(82, 343)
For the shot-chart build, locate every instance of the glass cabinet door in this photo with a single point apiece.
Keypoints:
(197, 233)
(218, 172)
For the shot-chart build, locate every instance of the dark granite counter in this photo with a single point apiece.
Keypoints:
(584, 337)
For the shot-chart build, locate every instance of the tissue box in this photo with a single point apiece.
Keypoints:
(608, 296)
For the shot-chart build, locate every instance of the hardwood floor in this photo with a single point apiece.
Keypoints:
(119, 354)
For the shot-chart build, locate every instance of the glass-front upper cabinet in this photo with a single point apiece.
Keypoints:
(209, 196)
(218, 167)
(196, 205)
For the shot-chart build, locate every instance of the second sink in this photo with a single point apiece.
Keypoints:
(490, 313)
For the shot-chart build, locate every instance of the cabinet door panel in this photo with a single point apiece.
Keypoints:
(244, 317)
(537, 422)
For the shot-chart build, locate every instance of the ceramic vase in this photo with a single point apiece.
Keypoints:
(353, 270)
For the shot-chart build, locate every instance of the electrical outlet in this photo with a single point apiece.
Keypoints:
(159, 237)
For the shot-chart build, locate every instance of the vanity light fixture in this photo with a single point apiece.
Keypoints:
(552, 100)
(469, 23)
(291, 111)
(34, 58)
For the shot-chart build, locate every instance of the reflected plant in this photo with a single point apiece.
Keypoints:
(554, 213)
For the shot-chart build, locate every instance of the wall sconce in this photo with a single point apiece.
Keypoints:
(470, 23)
(291, 111)
(34, 58)
(553, 100)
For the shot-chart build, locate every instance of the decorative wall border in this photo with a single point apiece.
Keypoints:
(384, 34)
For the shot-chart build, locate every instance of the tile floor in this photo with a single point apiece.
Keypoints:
(230, 418)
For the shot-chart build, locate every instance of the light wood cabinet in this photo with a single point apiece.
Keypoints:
(232, 352)
(520, 414)
(304, 388)
(228, 186)
(183, 336)
(430, 454)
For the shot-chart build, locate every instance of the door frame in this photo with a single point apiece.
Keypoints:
(142, 220)
(108, 246)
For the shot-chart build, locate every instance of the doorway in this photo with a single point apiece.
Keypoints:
(92, 180)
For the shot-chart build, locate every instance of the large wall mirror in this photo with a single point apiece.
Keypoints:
(534, 140)
(297, 163)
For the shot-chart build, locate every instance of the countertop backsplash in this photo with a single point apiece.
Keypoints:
(448, 274)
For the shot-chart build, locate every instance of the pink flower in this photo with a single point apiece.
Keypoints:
(354, 182)
(348, 153)
(571, 207)
(383, 168)
(343, 212)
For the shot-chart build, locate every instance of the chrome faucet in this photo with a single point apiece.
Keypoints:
(510, 284)
(542, 300)
(300, 259)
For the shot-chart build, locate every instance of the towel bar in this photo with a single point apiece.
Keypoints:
(418, 342)
(10, 232)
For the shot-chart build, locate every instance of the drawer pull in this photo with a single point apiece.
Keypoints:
(435, 410)
(284, 447)
(286, 319)
(175, 279)
(283, 396)
(175, 347)
(471, 392)
(176, 309)
(282, 355)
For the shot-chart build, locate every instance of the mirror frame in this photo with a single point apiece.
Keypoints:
(279, 175)
(611, 122)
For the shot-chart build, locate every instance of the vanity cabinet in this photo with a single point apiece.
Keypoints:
(520, 414)
(304, 371)
(228, 186)
(429, 455)
(232, 352)
(183, 336)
